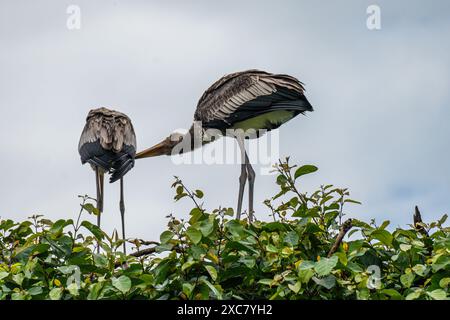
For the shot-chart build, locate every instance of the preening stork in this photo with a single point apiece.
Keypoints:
(108, 144)
(245, 100)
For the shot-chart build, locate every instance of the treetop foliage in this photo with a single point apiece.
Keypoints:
(308, 251)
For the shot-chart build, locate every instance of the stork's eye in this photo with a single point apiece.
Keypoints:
(176, 136)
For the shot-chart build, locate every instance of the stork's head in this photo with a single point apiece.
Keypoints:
(165, 147)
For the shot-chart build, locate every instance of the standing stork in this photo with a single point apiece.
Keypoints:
(108, 144)
(244, 100)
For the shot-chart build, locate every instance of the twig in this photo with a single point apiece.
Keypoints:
(345, 227)
(190, 195)
(148, 243)
(145, 252)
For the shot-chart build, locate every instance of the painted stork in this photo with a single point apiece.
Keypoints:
(108, 144)
(245, 100)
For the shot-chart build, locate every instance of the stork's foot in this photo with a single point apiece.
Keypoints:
(239, 214)
(249, 217)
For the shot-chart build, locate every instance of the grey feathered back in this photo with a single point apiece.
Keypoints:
(111, 128)
(228, 94)
(108, 142)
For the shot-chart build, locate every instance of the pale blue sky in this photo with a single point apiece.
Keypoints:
(381, 99)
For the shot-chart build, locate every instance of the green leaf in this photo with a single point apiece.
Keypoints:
(295, 287)
(216, 291)
(235, 228)
(187, 265)
(392, 293)
(405, 247)
(89, 207)
(229, 212)
(325, 265)
(34, 291)
(73, 289)
(206, 227)
(67, 269)
(166, 236)
(95, 290)
(95, 230)
(383, 236)
(56, 293)
(352, 201)
(438, 294)
(342, 257)
(58, 227)
(281, 180)
(100, 260)
(441, 263)
(287, 251)
(275, 226)
(123, 283)
(267, 282)
(291, 238)
(354, 267)
(306, 169)
(305, 275)
(18, 278)
(407, 279)
(187, 289)
(18, 296)
(180, 196)
(198, 193)
(194, 234)
(196, 215)
(249, 262)
(443, 219)
(305, 265)
(420, 269)
(212, 272)
(444, 282)
(327, 282)
(414, 295)
(271, 248)
(384, 224)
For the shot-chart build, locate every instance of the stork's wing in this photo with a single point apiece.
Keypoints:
(242, 95)
(110, 128)
(108, 141)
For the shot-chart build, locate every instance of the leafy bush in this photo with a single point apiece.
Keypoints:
(299, 255)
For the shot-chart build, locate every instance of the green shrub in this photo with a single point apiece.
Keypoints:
(298, 255)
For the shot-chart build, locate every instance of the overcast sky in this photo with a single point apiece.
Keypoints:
(381, 99)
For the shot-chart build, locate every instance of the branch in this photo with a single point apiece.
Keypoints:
(148, 243)
(144, 252)
(345, 227)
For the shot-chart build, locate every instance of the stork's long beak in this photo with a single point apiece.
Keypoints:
(157, 150)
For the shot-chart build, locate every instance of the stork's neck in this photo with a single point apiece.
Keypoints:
(196, 137)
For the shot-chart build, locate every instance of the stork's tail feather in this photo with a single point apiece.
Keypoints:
(121, 168)
(301, 105)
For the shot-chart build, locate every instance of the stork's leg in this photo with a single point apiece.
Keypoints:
(251, 184)
(122, 214)
(242, 179)
(99, 183)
